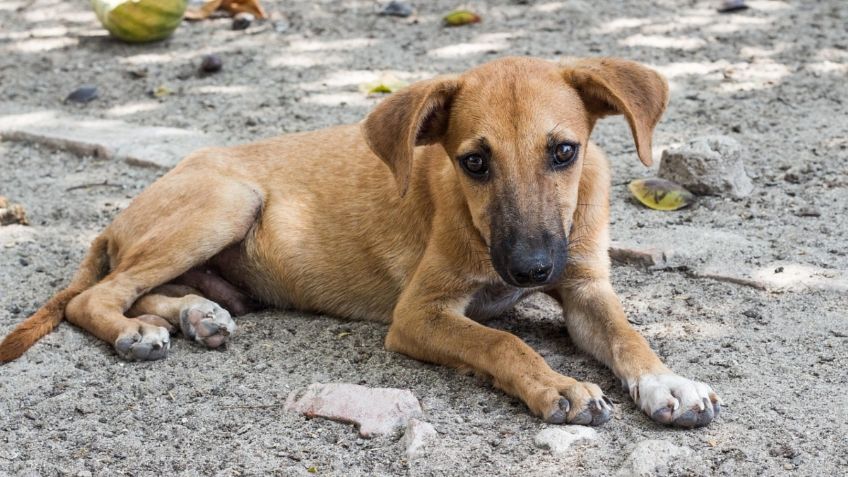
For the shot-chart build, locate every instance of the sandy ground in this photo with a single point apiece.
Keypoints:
(775, 78)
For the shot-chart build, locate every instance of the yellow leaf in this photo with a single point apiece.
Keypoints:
(461, 17)
(312, 469)
(162, 91)
(387, 83)
(660, 194)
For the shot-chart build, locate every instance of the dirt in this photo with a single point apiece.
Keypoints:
(774, 77)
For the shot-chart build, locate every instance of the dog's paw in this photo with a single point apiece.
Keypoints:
(578, 403)
(143, 342)
(673, 400)
(207, 323)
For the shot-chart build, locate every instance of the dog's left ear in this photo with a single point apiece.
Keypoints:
(414, 116)
(615, 86)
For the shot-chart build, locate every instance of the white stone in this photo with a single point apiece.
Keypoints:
(711, 165)
(376, 411)
(559, 439)
(416, 438)
(649, 457)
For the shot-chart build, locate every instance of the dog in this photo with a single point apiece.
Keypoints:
(454, 199)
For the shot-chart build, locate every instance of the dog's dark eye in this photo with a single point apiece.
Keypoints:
(564, 154)
(475, 165)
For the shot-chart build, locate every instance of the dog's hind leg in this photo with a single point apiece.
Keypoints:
(181, 221)
(181, 307)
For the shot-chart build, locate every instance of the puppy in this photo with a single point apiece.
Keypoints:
(453, 200)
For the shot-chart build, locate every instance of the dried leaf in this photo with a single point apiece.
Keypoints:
(342, 334)
(660, 194)
(312, 469)
(387, 83)
(461, 17)
(233, 7)
(12, 213)
(161, 91)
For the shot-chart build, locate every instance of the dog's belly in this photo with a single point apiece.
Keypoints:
(493, 300)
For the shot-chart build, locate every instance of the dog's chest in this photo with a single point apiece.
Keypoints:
(493, 300)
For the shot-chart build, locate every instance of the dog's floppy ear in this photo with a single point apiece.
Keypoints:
(615, 86)
(414, 116)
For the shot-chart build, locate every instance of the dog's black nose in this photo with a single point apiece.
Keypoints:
(533, 270)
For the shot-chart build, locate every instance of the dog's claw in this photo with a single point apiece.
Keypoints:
(595, 414)
(146, 343)
(207, 323)
(672, 400)
(559, 415)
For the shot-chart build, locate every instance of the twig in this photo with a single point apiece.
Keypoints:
(94, 184)
(257, 406)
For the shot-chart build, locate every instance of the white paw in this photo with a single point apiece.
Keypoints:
(672, 399)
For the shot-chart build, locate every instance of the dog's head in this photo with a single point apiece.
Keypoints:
(517, 130)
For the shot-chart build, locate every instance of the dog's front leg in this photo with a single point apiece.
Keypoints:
(597, 324)
(429, 325)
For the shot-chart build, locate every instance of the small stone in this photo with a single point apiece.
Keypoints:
(792, 178)
(730, 6)
(138, 72)
(559, 439)
(396, 9)
(83, 94)
(377, 411)
(645, 257)
(281, 26)
(211, 64)
(808, 212)
(242, 21)
(650, 457)
(418, 434)
(711, 165)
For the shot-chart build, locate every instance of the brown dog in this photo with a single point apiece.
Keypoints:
(506, 196)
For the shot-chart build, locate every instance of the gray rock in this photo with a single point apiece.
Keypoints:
(416, 438)
(559, 439)
(711, 165)
(396, 9)
(377, 411)
(651, 457)
(159, 147)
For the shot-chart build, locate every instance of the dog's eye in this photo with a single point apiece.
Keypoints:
(475, 165)
(564, 154)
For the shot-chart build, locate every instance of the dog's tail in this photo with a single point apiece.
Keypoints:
(51, 314)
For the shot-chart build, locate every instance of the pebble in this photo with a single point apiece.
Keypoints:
(242, 21)
(651, 457)
(377, 411)
(710, 165)
(211, 64)
(396, 9)
(559, 439)
(807, 212)
(83, 94)
(416, 438)
(729, 6)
